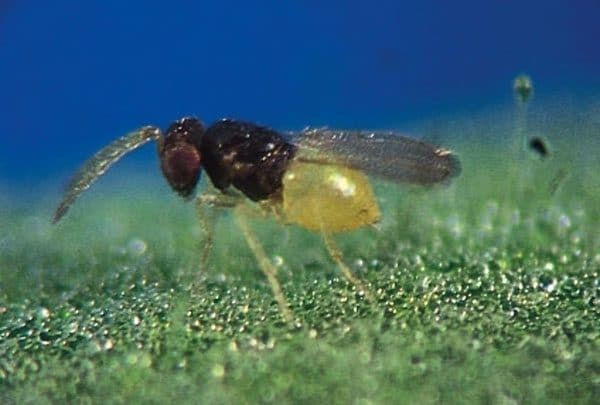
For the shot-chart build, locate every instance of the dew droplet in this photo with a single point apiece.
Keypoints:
(564, 221)
(218, 371)
(108, 345)
(523, 87)
(278, 261)
(552, 286)
(136, 247)
(43, 313)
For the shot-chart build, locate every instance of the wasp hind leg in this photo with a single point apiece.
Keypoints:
(336, 255)
(263, 261)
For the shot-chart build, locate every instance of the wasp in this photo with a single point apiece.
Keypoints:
(315, 178)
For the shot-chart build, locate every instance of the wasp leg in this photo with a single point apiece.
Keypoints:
(263, 261)
(206, 219)
(336, 255)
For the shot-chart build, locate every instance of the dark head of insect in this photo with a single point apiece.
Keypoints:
(180, 156)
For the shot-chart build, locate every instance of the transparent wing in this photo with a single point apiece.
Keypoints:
(98, 164)
(384, 154)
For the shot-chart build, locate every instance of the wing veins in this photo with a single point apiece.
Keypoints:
(384, 154)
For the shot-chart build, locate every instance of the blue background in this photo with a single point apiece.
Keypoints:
(74, 75)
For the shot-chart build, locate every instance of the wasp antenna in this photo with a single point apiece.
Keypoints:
(98, 164)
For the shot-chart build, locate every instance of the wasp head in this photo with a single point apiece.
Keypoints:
(180, 157)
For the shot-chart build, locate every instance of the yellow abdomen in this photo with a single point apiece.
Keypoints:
(328, 198)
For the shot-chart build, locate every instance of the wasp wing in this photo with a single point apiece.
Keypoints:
(98, 164)
(384, 154)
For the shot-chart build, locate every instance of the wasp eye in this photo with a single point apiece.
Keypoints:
(180, 165)
(180, 157)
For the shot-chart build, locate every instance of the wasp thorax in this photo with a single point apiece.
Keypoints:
(180, 158)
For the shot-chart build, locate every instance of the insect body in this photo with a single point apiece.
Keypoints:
(315, 179)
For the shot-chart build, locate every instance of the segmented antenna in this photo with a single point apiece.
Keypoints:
(98, 164)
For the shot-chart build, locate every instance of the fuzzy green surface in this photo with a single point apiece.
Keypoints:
(487, 291)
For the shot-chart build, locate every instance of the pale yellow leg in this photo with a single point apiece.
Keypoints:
(264, 263)
(207, 219)
(336, 255)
